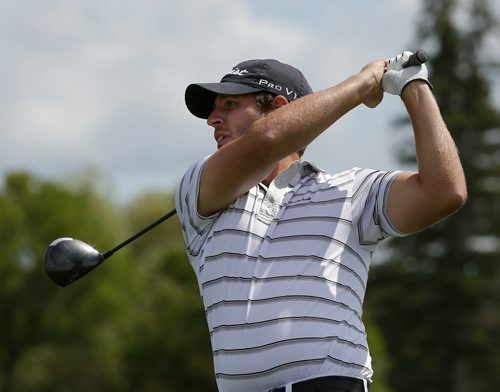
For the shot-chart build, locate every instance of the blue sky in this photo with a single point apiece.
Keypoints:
(100, 84)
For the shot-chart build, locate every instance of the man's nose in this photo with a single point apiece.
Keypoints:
(215, 118)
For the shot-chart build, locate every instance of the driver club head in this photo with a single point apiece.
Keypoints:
(68, 259)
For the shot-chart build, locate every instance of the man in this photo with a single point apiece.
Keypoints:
(281, 249)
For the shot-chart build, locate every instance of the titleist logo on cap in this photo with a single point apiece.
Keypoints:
(237, 71)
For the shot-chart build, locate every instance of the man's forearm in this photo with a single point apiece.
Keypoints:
(297, 124)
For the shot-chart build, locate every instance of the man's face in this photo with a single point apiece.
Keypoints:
(232, 116)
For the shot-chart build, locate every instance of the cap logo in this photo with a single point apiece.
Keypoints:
(237, 71)
(277, 87)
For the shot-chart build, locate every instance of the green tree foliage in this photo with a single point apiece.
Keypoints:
(135, 323)
(170, 341)
(44, 330)
(437, 297)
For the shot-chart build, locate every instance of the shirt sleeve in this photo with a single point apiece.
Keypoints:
(369, 205)
(194, 226)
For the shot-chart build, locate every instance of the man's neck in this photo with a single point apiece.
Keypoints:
(282, 165)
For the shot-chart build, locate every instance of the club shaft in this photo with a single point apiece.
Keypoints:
(163, 218)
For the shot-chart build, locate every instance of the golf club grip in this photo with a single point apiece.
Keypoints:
(137, 235)
(417, 58)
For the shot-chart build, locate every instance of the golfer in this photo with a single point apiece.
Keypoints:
(282, 249)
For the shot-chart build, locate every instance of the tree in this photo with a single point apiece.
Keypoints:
(436, 298)
(52, 339)
(169, 347)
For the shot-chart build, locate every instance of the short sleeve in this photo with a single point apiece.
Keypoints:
(194, 226)
(369, 205)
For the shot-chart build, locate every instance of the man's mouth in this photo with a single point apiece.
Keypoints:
(222, 140)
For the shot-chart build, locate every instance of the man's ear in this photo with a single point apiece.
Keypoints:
(279, 101)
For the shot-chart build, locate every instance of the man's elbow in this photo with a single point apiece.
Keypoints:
(454, 199)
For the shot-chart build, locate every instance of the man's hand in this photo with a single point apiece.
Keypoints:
(375, 71)
(396, 77)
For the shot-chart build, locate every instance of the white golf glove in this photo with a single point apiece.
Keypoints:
(396, 77)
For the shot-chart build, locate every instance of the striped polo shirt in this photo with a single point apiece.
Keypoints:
(283, 271)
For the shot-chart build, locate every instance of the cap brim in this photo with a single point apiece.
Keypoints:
(200, 97)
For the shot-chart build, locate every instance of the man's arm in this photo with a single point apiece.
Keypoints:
(417, 200)
(236, 167)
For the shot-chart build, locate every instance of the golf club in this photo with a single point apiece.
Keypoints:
(68, 259)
